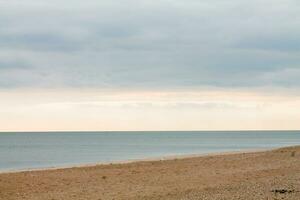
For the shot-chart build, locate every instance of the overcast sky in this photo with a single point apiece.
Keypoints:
(146, 44)
(143, 45)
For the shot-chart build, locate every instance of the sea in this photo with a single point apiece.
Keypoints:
(38, 150)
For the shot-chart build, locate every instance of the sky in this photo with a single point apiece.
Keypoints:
(149, 65)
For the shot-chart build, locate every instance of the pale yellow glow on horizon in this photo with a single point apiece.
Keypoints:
(96, 110)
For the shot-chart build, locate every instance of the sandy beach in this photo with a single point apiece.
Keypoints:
(253, 175)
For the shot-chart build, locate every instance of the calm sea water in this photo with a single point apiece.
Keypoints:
(55, 149)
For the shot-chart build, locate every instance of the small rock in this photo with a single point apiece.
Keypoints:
(282, 191)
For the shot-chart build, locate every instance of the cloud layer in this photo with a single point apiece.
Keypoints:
(145, 44)
(44, 110)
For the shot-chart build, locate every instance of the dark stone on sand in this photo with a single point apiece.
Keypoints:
(282, 191)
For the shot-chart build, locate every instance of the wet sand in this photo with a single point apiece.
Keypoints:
(254, 175)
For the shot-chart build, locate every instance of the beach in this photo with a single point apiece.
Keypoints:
(270, 174)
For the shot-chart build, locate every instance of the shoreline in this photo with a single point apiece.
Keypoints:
(150, 159)
(256, 174)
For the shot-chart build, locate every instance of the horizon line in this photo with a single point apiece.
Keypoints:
(95, 131)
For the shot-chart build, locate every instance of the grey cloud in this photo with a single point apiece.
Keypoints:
(37, 42)
(288, 77)
(284, 43)
(165, 44)
(12, 65)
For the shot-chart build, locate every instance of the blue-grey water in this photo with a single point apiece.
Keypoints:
(54, 149)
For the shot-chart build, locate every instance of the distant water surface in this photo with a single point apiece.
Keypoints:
(56, 149)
